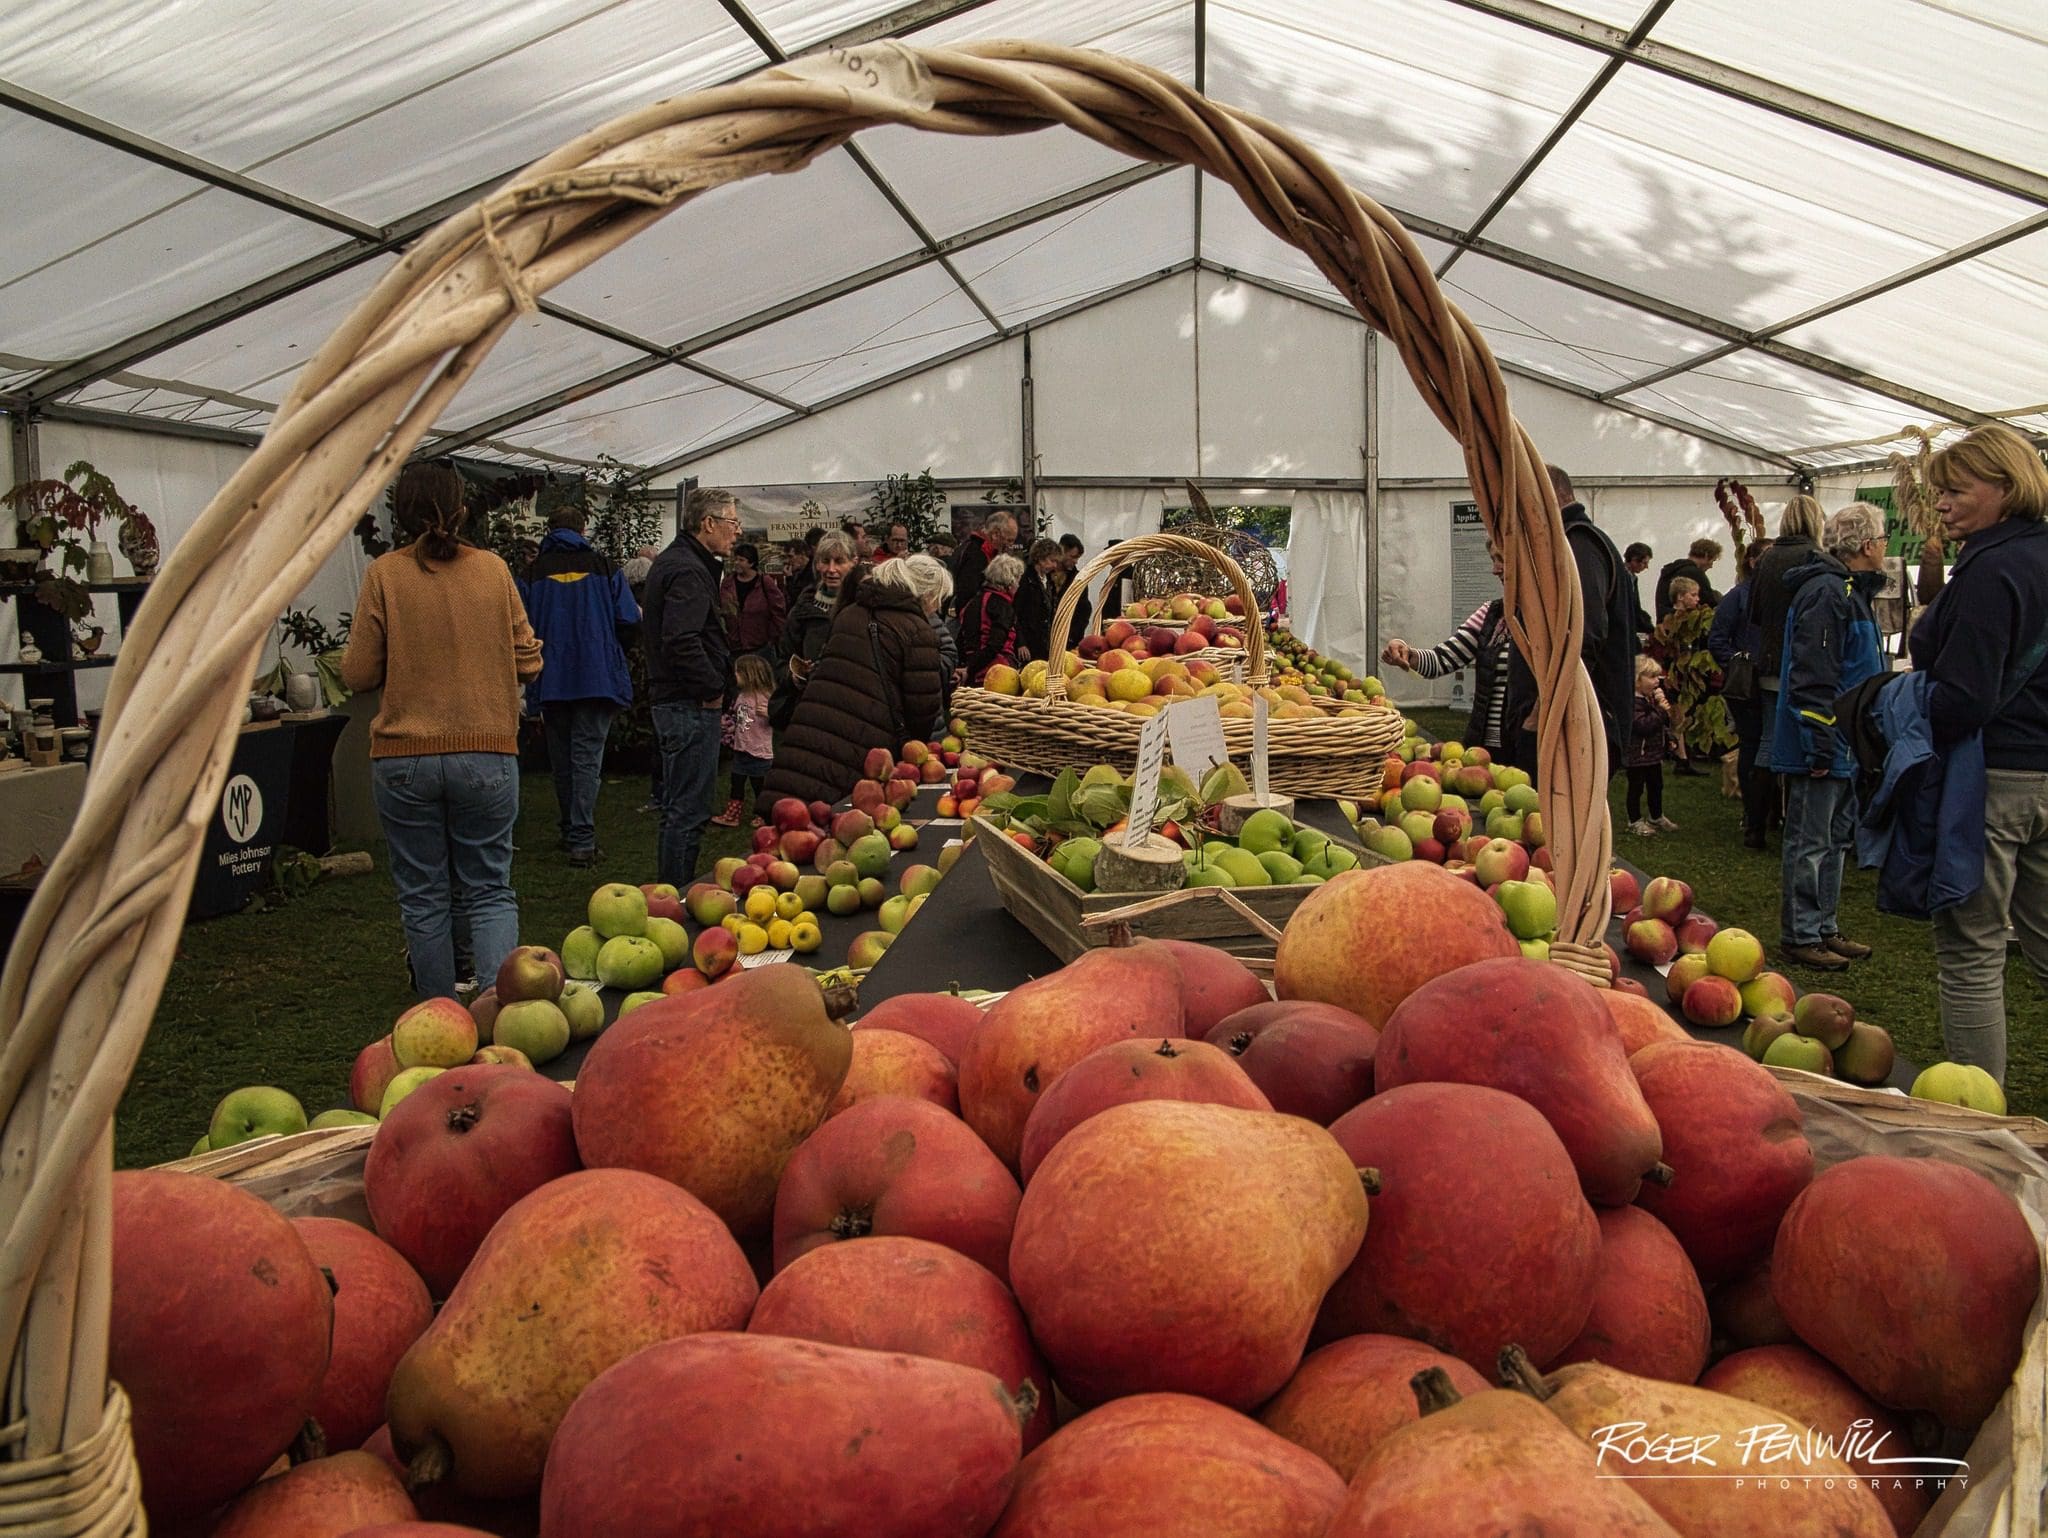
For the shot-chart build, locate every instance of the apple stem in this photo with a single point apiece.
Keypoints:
(1166, 1050)
(463, 1117)
(1239, 1042)
(429, 1466)
(1433, 1390)
(1518, 1372)
(1370, 1179)
(1661, 1174)
(853, 1224)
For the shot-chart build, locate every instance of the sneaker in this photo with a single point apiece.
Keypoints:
(583, 859)
(1849, 950)
(650, 806)
(730, 817)
(465, 988)
(1819, 957)
(1666, 825)
(1641, 828)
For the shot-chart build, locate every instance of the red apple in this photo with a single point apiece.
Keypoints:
(765, 838)
(788, 814)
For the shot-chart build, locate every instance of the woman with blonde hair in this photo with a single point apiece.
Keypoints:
(1984, 642)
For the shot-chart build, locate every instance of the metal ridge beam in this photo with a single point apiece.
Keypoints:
(1771, 96)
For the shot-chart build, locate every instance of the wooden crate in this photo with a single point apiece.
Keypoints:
(1245, 921)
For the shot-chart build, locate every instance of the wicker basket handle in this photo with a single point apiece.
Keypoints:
(1128, 553)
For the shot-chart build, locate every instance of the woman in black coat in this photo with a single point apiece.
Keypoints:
(875, 685)
(1035, 601)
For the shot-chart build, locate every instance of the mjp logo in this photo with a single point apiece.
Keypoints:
(241, 808)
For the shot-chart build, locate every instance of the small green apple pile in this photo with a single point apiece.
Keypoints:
(1302, 664)
(263, 1110)
(1444, 803)
(1959, 1084)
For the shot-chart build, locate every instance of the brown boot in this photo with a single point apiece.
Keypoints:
(1819, 957)
(1848, 950)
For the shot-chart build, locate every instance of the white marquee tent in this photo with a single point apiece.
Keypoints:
(1705, 237)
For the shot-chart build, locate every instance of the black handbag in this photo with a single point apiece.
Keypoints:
(1738, 679)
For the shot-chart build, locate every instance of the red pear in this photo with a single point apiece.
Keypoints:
(455, 1153)
(1209, 1284)
(888, 1293)
(380, 1308)
(324, 1498)
(896, 1165)
(1915, 1277)
(1214, 983)
(1351, 1395)
(714, 1089)
(1036, 1032)
(755, 1436)
(944, 1019)
(1796, 1382)
(1443, 923)
(1125, 1071)
(574, 1278)
(1733, 1139)
(1746, 1315)
(1312, 1060)
(1536, 1031)
(1169, 1463)
(1649, 1315)
(897, 1063)
(1480, 1234)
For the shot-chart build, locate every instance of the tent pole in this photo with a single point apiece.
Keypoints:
(1029, 477)
(25, 450)
(1371, 450)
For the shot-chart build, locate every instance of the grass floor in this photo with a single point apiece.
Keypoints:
(288, 996)
(1895, 988)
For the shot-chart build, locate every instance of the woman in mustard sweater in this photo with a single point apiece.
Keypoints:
(440, 629)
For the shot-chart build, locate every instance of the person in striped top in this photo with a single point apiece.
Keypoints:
(1480, 643)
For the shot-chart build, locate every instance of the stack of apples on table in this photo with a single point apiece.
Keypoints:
(1202, 614)
(1716, 977)
(1302, 664)
(1137, 1249)
(1444, 802)
(1142, 680)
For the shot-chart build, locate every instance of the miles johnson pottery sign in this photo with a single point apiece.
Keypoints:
(1774, 1455)
(242, 838)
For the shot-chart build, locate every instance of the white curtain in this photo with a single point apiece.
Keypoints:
(1099, 516)
(1327, 563)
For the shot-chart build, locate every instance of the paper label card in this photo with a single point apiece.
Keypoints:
(1262, 786)
(1145, 781)
(1195, 727)
(767, 958)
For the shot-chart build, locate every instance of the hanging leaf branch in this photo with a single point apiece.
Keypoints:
(1912, 493)
(1745, 518)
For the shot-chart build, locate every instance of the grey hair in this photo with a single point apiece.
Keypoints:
(1802, 515)
(831, 545)
(704, 503)
(1008, 520)
(1004, 573)
(927, 578)
(1854, 527)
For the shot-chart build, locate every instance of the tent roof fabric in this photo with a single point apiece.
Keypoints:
(1773, 225)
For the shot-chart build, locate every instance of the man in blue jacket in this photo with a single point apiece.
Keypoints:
(689, 672)
(1831, 646)
(578, 603)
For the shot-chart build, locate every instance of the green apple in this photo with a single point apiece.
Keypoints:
(1962, 1084)
(257, 1111)
(1243, 865)
(870, 855)
(1265, 831)
(1735, 954)
(1281, 869)
(205, 1145)
(1388, 843)
(633, 1001)
(894, 914)
(810, 890)
(1530, 907)
(1306, 842)
(843, 899)
(1795, 1051)
(434, 1033)
(1522, 798)
(872, 892)
(1535, 950)
(671, 939)
(410, 1079)
(535, 1027)
(579, 952)
(1422, 794)
(618, 909)
(583, 1009)
(1335, 859)
(630, 962)
(841, 873)
(1211, 875)
(340, 1118)
(1758, 1035)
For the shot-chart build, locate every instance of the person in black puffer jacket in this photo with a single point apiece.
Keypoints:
(875, 685)
(796, 651)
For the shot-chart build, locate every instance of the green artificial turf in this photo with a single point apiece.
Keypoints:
(1895, 988)
(289, 995)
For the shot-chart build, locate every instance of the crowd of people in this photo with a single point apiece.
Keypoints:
(781, 673)
(1936, 775)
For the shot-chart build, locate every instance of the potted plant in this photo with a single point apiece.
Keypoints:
(306, 631)
(58, 518)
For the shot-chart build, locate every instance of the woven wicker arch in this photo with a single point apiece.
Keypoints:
(82, 982)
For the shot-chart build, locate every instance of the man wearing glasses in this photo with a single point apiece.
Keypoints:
(689, 670)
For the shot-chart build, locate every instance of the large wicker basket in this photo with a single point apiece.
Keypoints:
(88, 965)
(1329, 756)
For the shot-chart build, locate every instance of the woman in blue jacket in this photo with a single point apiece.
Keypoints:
(1831, 646)
(1985, 643)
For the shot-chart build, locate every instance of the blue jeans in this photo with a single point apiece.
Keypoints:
(576, 733)
(1820, 828)
(448, 820)
(688, 735)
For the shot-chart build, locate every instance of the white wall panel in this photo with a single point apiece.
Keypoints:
(1282, 385)
(1115, 386)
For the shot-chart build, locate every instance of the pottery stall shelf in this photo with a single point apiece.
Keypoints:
(276, 797)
